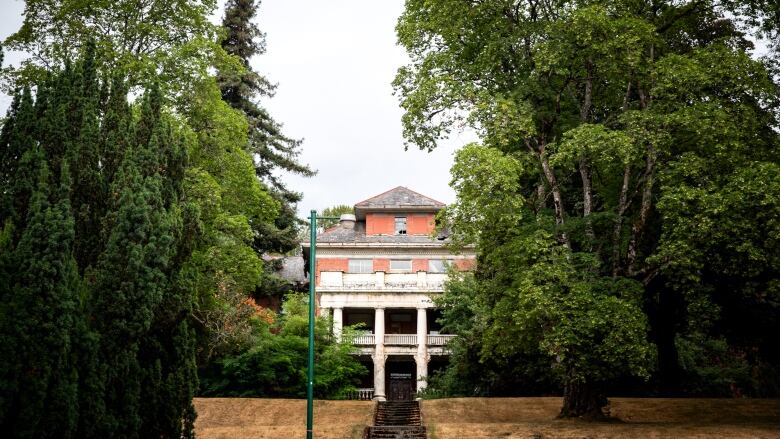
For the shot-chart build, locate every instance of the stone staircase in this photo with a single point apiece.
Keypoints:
(397, 420)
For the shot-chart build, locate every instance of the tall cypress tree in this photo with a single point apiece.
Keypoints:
(271, 149)
(20, 161)
(88, 194)
(110, 353)
(146, 346)
(38, 320)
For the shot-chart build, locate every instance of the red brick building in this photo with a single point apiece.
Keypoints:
(381, 268)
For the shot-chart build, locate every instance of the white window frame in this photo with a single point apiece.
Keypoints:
(407, 269)
(360, 266)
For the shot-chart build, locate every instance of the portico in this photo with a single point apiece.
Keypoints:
(393, 334)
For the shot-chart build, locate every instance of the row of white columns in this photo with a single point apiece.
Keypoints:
(380, 357)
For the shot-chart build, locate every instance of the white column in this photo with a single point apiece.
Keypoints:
(337, 323)
(422, 348)
(379, 355)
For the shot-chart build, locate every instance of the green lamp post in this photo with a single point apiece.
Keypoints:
(312, 267)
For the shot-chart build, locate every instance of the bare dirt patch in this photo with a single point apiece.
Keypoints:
(239, 418)
(478, 418)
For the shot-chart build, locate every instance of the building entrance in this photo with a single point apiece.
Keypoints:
(401, 381)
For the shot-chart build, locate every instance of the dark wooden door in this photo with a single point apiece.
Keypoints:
(401, 387)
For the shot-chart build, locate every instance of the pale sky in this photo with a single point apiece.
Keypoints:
(334, 61)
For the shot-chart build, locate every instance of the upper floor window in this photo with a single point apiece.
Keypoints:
(400, 265)
(400, 225)
(437, 266)
(360, 266)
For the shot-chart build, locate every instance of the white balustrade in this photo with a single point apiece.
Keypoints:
(363, 394)
(439, 340)
(331, 278)
(365, 339)
(401, 339)
(379, 280)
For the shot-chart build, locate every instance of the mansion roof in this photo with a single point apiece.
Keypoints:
(397, 199)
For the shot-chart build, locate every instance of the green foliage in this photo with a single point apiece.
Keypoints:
(638, 136)
(271, 150)
(231, 203)
(38, 320)
(275, 363)
(100, 343)
(176, 48)
(333, 212)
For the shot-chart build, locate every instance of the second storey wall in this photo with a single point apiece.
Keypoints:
(383, 264)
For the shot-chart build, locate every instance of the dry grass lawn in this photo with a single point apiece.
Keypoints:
(239, 418)
(478, 418)
(482, 418)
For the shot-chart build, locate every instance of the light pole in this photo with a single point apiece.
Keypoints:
(312, 267)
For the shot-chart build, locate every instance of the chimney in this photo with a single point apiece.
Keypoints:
(347, 221)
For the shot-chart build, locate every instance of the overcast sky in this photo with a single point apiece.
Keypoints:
(334, 61)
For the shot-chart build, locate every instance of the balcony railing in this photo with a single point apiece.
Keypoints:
(367, 339)
(382, 281)
(401, 339)
(439, 340)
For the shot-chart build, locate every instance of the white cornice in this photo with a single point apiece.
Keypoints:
(399, 252)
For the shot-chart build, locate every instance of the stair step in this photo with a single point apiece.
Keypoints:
(397, 420)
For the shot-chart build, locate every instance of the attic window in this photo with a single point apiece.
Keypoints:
(400, 225)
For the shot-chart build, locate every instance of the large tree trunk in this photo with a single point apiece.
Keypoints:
(583, 400)
(584, 165)
(587, 199)
(644, 211)
(617, 232)
(549, 175)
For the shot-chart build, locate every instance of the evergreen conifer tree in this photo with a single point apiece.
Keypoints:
(95, 338)
(20, 161)
(38, 320)
(271, 149)
(88, 193)
(146, 347)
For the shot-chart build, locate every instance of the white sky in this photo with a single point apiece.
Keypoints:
(334, 61)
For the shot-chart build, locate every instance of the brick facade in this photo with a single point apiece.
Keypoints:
(384, 223)
(330, 264)
(420, 224)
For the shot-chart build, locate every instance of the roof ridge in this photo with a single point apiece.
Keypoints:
(425, 198)
(379, 195)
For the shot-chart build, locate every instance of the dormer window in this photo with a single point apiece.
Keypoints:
(400, 225)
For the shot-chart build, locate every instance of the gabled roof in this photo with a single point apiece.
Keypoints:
(399, 198)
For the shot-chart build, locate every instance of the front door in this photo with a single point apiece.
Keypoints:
(401, 387)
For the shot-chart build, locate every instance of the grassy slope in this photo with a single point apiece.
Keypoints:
(238, 418)
(482, 418)
(476, 418)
